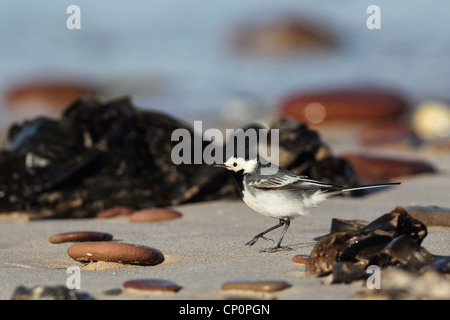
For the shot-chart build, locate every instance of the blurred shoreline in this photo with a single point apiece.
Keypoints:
(181, 58)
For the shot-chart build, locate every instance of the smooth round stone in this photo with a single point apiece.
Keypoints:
(281, 35)
(120, 252)
(114, 212)
(376, 169)
(54, 95)
(152, 285)
(300, 258)
(256, 285)
(154, 215)
(80, 236)
(343, 105)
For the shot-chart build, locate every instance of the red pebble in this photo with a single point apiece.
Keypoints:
(152, 285)
(300, 258)
(80, 236)
(154, 215)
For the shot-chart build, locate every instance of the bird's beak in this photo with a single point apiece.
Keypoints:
(220, 166)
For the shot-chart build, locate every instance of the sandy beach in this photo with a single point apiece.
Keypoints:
(205, 248)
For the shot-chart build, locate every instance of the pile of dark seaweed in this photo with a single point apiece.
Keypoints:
(101, 154)
(391, 242)
(394, 238)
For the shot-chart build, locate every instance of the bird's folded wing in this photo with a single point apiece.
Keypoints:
(287, 180)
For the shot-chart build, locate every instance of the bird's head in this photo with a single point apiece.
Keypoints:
(237, 164)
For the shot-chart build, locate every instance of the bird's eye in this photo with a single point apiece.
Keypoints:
(235, 164)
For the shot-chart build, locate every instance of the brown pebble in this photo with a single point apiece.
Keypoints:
(53, 95)
(80, 236)
(154, 215)
(256, 285)
(114, 212)
(343, 105)
(300, 258)
(281, 36)
(376, 169)
(152, 285)
(125, 253)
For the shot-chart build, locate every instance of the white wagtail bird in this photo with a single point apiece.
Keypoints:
(283, 195)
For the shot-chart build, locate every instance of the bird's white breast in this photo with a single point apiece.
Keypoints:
(279, 203)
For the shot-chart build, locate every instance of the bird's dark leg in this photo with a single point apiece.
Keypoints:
(286, 222)
(278, 247)
(261, 235)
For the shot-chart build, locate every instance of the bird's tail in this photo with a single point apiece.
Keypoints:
(370, 186)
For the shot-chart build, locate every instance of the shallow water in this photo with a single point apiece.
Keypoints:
(176, 55)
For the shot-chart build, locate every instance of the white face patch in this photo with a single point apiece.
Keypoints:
(238, 164)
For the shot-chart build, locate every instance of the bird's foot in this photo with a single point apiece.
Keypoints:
(277, 249)
(253, 241)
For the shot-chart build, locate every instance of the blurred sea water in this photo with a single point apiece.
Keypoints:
(176, 55)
